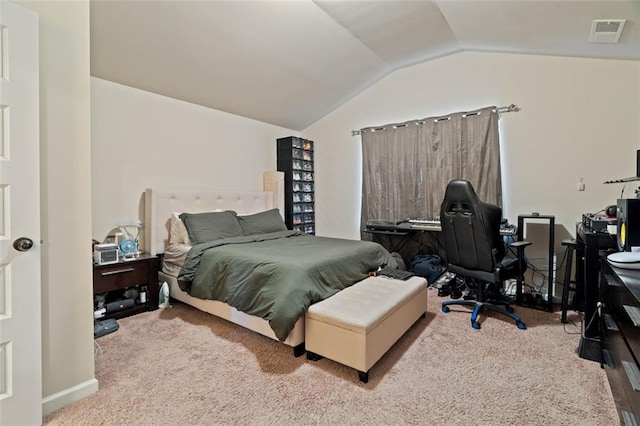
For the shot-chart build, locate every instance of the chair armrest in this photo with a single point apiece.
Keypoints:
(519, 244)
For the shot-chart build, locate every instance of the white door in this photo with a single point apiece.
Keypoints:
(20, 328)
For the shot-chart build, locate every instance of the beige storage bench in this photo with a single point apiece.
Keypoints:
(358, 325)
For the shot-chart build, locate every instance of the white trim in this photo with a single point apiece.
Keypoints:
(68, 396)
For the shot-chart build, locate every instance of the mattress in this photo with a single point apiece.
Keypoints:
(278, 275)
(229, 313)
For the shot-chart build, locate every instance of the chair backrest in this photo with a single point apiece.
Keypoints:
(470, 228)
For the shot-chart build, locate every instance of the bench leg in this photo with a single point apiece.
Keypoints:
(363, 376)
(312, 356)
(298, 350)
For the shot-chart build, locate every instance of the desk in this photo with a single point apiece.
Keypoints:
(405, 228)
(395, 238)
(587, 286)
(407, 232)
(398, 245)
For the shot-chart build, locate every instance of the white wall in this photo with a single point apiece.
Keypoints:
(65, 143)
(142, 140)
(579, 118)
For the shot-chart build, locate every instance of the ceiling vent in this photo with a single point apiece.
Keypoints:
(606, 30)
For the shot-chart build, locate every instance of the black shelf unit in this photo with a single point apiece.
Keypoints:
(295, 159)
(550, 278)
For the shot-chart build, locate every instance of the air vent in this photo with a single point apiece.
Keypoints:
(606, 30)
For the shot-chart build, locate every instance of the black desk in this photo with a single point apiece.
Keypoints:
(588, 294)
(406, 228)
(396, 238)
(405, 232)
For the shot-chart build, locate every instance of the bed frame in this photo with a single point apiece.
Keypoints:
(161, 203)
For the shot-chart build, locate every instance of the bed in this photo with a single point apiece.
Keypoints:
(161, 208)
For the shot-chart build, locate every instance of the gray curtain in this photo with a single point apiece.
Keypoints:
(406, 166)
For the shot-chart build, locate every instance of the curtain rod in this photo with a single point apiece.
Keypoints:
(499, 110)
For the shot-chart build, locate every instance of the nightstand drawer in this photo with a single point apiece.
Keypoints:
(120, 275)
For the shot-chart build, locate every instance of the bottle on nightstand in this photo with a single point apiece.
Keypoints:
(142, 296)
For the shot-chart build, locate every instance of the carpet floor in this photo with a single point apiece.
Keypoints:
(180, 366)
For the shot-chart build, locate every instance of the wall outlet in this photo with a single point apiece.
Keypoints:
(581, 184)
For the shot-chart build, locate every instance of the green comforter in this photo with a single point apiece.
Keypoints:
(277, 276)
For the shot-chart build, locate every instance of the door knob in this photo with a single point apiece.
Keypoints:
(22, 244)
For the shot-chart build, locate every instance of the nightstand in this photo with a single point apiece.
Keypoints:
(114, 279)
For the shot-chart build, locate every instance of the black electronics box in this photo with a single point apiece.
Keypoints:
(628, 223)
(598, 223)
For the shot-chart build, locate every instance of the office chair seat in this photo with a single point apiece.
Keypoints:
(475, 251)
(485, 298)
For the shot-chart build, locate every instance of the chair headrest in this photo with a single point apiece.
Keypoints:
(461, 192)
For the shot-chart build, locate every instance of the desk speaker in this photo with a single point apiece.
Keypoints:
(628, 223)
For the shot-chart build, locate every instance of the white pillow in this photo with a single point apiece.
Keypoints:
(178, 232)
(174, 256)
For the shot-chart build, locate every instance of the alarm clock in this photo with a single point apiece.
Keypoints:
(104, 254)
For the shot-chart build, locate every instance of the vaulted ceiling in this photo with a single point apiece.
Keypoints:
(289, 63)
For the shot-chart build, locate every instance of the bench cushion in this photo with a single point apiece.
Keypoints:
(364, 305)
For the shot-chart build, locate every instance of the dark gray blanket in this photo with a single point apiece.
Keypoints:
(278, 276)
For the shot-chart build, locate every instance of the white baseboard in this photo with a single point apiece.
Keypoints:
(68, 396)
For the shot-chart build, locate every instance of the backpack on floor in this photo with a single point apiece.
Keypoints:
(428, 266)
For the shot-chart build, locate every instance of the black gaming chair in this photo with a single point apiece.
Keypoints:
(475, 250)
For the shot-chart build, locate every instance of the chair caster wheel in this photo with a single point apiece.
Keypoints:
(521, 325)
(509, 309)
(445, 309)
(475, 325)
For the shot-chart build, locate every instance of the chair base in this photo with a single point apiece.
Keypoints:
(480, 306)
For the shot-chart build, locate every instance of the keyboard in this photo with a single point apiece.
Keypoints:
(397, 274)
(426, 224)
(400, 227)
(422, 221)
(390, 225)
